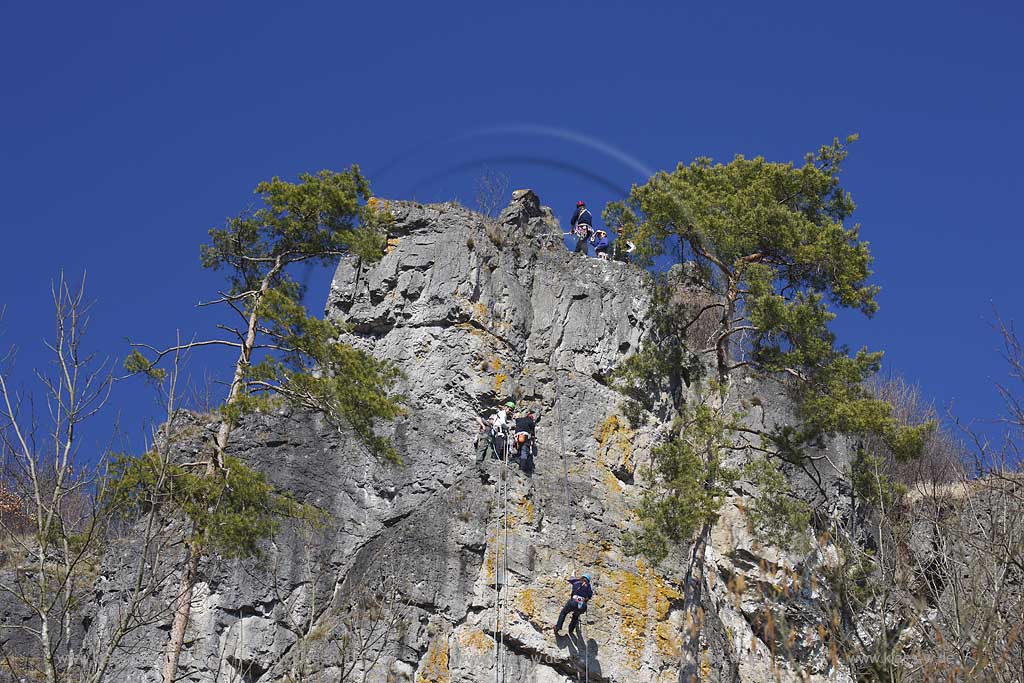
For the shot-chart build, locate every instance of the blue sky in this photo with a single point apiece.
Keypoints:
(128, 131)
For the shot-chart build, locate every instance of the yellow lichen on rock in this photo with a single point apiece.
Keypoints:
(527, 603)
(705, 666)
(499, 379)
(615, 447)
(643, 603)
(666, 637)
(435, 662)
(489, 558)
(526, 511)
(611, 481)
(475, 639)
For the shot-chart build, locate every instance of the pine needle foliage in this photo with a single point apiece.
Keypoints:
(691, 482)
(285, 356)
(775, 260)
(232, 511)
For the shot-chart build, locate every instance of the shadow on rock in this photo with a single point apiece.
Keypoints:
(583, 652)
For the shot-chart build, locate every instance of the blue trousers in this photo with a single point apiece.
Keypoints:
(574, 622)
(526, 456)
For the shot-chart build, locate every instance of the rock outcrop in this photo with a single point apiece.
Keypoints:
(401, 580)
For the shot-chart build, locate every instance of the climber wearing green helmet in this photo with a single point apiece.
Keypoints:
(577, 604)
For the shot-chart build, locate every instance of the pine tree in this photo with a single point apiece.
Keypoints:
(772, 263)
(284, 356)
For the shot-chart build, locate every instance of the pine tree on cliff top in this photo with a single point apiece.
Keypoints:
(284, 355)
(773, 261)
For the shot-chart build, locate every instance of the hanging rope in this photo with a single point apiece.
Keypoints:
(497, 589)
(570, 523)
(501, 548)
(504, 558)
(501, 570)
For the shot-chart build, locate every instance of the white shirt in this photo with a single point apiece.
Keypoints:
(500, 420)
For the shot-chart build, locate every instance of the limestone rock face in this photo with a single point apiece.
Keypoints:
(400, 582)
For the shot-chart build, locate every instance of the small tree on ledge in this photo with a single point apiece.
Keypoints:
(284, 356)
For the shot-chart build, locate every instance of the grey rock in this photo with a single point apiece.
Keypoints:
(474, 312)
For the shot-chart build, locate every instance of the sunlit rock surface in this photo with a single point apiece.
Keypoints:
(476, 311)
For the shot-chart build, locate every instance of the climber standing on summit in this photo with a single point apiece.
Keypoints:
(622, 248)
(600, 240)
(577, 604)
(582, 224)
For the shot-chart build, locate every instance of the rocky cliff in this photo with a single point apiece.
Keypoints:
(399, 585)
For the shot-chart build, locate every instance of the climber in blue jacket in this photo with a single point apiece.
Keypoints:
(577, 604)
(600, 242)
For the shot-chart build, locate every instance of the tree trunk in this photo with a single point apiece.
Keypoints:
(47, 643)
(216, 460)
(181, 614)
(693, 613)
(69, 604)
(723, 357)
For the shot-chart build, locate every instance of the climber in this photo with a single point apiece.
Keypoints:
(600, 241)
(501, 424)
(622, 249)
(484, 438)
(525, 439)
(581, 225)
(577, 604)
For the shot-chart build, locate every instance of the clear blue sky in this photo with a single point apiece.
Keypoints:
(128, 131)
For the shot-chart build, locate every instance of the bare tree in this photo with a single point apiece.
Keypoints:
(351, 631)
(144, 524)
(48, 475)
(491, 191)
(932, 583)
(373, 618)
(61, 515)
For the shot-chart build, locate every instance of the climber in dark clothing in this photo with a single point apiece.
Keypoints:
(577, 604)
(622, 249)
(526, 436)
(581, 225)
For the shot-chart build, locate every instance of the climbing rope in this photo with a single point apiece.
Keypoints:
(497, 589)
(501, 570)
(570, 522)
(504, 558)
(501, 548)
